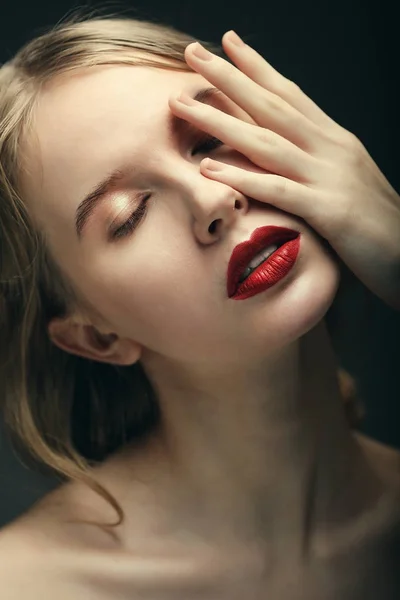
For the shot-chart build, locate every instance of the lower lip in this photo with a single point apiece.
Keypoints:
(270, 271)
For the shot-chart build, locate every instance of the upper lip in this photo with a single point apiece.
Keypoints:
(244, 252)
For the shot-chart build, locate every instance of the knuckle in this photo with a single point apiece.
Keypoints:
(280, 186)
(348, 140)
(273, 101)
(267, 137)
(354, 149)
(353, 143)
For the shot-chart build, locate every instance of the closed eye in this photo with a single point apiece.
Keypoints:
(207, 144)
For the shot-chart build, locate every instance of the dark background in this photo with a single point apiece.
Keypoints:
(344, 55)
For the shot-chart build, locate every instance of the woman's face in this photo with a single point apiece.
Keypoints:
(163, 283)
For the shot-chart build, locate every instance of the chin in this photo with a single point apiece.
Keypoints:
(295, 308)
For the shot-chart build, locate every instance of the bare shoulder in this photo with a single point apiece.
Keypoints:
(31, 568)
(49, 553)
(22, 574)
(40, 557)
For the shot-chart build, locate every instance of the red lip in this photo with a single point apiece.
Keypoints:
(244, 252)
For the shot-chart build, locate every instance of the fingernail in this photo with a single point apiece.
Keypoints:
(201, 53)
(234, 39)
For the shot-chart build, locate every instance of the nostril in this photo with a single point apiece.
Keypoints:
(213, 226)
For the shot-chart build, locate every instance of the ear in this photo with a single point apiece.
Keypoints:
(86, 341)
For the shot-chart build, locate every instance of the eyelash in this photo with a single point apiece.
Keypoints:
(206, 144)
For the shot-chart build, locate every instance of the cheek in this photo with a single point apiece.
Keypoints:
(163, 308)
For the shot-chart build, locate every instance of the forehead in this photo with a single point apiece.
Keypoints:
(87, 122)
(105, 92)
(81, 108)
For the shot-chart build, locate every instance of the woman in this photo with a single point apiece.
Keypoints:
(130, 364)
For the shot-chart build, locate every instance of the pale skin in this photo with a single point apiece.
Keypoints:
(325, 174)
(253, 420)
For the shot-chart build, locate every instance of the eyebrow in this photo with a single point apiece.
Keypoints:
(98, 194)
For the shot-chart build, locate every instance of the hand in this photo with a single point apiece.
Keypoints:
(320, 171)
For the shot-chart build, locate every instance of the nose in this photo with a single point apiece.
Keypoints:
(215, 207)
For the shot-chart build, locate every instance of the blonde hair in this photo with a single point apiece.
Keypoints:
(59, 408)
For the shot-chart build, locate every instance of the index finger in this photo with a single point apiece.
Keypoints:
(253, 73)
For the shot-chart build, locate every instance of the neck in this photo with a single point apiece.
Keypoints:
(268, 460)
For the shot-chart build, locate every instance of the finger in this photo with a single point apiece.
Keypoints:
(281, 192)
(266, 108)
(264, 148)
(251, 63)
